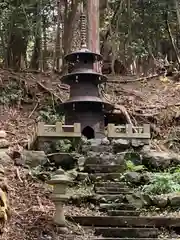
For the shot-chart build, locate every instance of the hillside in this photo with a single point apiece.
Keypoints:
(25, 94)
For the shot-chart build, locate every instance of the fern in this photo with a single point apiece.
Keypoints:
(163, 183)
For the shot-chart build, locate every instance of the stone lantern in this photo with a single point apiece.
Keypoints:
(60, 182)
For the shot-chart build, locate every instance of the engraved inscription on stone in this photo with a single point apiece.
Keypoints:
(49, 129)
(119, 130)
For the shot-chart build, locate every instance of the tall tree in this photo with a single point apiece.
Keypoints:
(36, 56)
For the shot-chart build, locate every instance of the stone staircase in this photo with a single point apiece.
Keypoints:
(123, 220)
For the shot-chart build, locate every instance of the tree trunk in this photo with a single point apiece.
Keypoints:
(171, 38)
(58, 38)
(69, 22)
(93, 28)
(16, 51)
(176, 4)
(35, 60)
(3, 45)
(45, 51)
(102, 7)
(17, 45)
(93, 25)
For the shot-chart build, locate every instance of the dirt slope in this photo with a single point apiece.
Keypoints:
(151, 101)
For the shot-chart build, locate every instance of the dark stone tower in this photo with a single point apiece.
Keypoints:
(85, 105)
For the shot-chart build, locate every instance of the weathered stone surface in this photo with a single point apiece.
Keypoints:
(118, 206)
(105, 158)
(137, 178)
(137, 143)
(105, 141)
(82, 176)
(127, 232)
(81, 162)
(147, 199)
(145, 177)
(3, 134)
(72, 174)
(96, 168)
(133, 177)
(91, 145)
(123, 213)
(109, 198)
(111, 238)
(79, 199)
(136, 200)
(111, 190)
(105, 177)
(160, 160)
(120, 145)
(92, 158)
(174, 200)
(110, 184)
(33, 158)
(45, 146)
(64, 160)
(127, 221)
(120, 158)
(5, 159)
(160, 201)
(145, 148)
(97, 145)
(4, 143)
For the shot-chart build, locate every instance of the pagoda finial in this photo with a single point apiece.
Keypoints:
(83, 27)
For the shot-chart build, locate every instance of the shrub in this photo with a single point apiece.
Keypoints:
(130, 166)
(163, 183)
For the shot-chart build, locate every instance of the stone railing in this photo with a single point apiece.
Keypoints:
(128, 131)
(58, 130)
(43, 131)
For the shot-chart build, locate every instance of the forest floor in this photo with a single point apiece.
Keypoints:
(32, 211)
(152, 100)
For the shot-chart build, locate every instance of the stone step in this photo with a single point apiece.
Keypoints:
(123, 213)
(131, 238)
(116, 198)
(105, 176)
(96, 146)
(96, 168)
(112, 190)
(126, 221)
(127, 232)
(116, 206)
(111, 184)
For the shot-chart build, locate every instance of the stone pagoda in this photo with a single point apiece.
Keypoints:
(85, 105)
